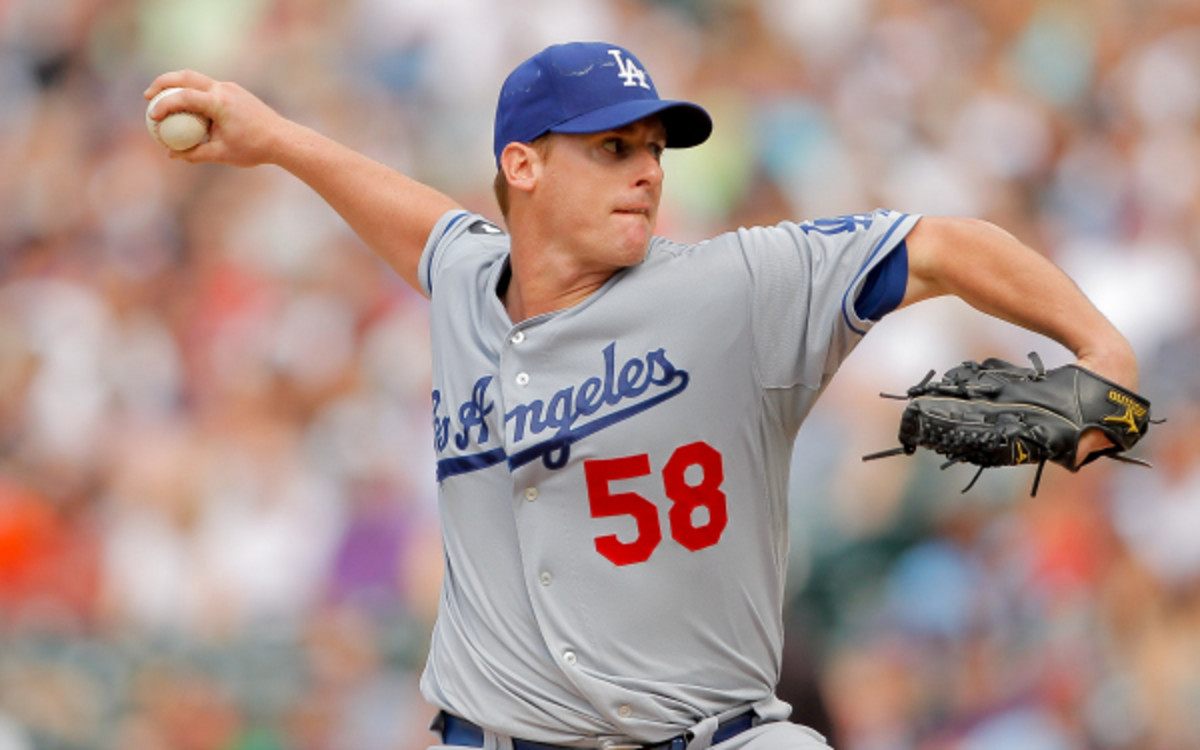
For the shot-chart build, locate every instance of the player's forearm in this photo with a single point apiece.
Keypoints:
(997, 274)
(392, 213)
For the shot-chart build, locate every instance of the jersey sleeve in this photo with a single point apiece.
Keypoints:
(807, 278)
(446, 243)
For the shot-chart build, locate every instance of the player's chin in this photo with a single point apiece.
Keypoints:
(635, 228)
(632, 250)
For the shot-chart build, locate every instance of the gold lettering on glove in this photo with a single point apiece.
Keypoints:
(1021, 454)
(1133, 412)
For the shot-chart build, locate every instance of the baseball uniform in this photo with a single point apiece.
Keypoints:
(613, 476)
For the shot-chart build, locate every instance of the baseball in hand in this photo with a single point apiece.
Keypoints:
(178, 131)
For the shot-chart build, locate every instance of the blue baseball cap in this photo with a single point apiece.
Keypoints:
(588, 87)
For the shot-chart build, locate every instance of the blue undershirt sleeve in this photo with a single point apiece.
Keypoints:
(883, 289)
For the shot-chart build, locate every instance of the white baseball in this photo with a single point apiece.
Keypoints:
(178, 131)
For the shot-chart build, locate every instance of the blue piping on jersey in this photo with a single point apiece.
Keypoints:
(871, 257)
(448, 467)
(436, 245)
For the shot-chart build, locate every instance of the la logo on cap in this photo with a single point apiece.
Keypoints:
(630, 72)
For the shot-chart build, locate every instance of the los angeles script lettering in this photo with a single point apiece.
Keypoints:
(630, 388)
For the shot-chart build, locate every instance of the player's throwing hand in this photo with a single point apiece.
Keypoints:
(244, 131)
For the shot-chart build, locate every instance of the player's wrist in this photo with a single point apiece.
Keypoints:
(1114, 360)
(292, 146)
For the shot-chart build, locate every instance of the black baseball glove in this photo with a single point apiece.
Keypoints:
(997, 414)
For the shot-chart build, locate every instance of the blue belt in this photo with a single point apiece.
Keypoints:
(456, 731)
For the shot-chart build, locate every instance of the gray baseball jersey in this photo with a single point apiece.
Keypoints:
(613, 476)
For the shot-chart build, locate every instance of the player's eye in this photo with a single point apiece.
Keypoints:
(657, 149)
(615, 145)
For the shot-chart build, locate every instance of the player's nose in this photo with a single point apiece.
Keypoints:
(649, 168)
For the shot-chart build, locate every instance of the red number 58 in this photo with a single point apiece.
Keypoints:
(686, 497)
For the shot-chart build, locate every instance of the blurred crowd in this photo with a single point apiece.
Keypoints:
(218, 521)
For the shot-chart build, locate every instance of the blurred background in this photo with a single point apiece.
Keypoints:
(218, 523)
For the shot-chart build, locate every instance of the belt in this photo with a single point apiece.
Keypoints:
(456, 731)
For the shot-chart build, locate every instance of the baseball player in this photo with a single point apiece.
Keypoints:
(613, 412)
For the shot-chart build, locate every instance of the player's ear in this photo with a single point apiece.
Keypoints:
(521, 164)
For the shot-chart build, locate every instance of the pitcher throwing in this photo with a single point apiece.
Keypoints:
(614, 412)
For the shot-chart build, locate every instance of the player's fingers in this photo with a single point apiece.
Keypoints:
(183, 100)
(241, 126)
(188, 79)
(208, 151)
(1090, 442)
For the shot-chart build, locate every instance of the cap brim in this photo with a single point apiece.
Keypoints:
(687, 124)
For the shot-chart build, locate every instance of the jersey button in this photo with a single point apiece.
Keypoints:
(518, 337)
(545, 578)
(531, 493)
(569, 657)
(625, 712)
(522, 378)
